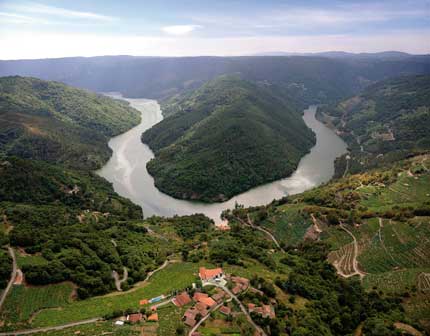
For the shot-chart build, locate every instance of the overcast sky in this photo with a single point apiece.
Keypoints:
(40, 29)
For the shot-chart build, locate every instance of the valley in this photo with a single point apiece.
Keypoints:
(300, 243)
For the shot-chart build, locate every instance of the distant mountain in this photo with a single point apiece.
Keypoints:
(224, 138)
(57, 123)
(317, 78)
(388, 121)
(384, 55)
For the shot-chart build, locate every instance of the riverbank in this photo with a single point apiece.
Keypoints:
(127, 169)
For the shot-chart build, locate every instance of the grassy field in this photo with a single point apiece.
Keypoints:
(218, 325)
(175, 276)
(23, 260)
(23, 301)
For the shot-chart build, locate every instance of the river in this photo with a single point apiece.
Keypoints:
(126, 169)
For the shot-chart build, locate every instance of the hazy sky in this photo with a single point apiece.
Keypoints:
(37, 29)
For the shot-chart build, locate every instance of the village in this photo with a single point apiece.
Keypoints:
(214, 294)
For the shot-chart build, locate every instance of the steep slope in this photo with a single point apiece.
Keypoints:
(226, 137)
(376, 224)
(388, 121)
(57, 123)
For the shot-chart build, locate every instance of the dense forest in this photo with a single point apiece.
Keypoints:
(53, 122)
(226, 137)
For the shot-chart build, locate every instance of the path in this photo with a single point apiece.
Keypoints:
(354, 259)
(252, 225)
(12, 276)
(118, 282)
(60, 327)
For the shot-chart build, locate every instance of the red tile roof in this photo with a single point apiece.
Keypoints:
(135, 317)
(153, 317)
(225, 310)
(198, 296)
(143, 302)
(207, 274)
(182, 299)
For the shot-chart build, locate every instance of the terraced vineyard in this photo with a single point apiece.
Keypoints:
(343, 259)
(424, 282)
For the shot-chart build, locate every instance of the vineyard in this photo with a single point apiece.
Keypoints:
(22, 302)
(343, 260)
(397, 245)
(423, 282)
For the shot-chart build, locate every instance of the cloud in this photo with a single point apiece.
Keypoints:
(287, 18)
(180, 29)
(44, 10)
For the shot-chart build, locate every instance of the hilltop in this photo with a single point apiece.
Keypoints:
(57, 123)
(224, 138)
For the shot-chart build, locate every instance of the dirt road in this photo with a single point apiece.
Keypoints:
(60, 327)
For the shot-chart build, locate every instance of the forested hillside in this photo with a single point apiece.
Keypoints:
(57, 123)
(390, 120)
(224, 138)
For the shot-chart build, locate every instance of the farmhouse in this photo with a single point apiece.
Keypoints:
(210, 274)
(134, 318)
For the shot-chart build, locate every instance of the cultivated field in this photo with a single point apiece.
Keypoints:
(23, 302)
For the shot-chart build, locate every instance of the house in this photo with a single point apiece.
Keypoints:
(189, 317)
(198, 296)
(241, 284)
(181, 299)
(264, 311)
(134, 318)
(205, 299)
(219, 295)
(119, 323)
(143, 302)
(225, 310)
(210, 274)
(202, 308)
(153, 317)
